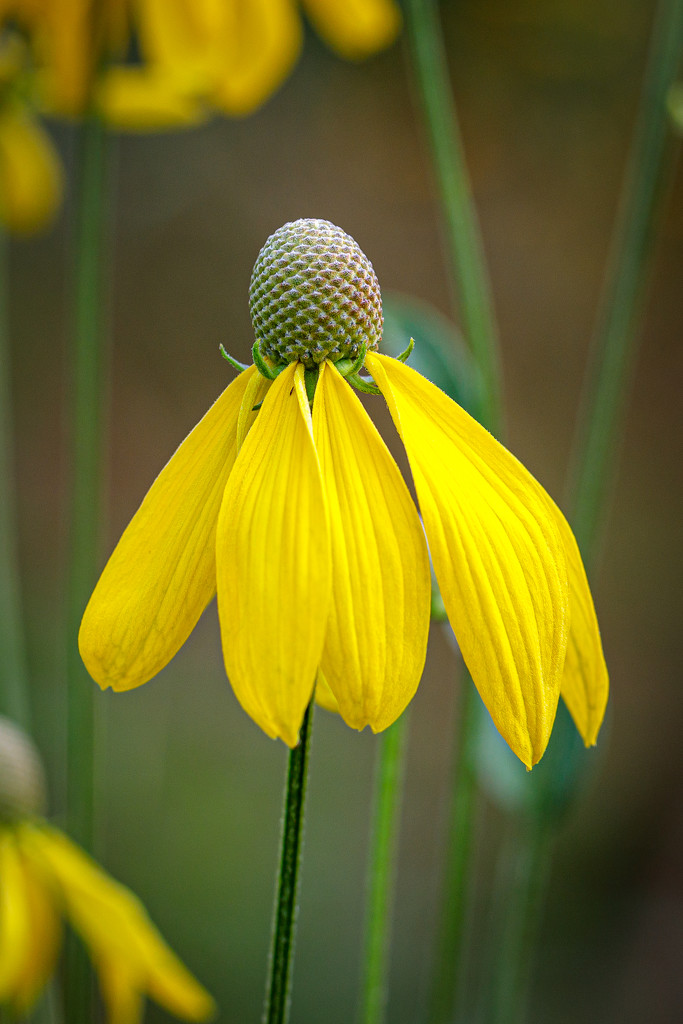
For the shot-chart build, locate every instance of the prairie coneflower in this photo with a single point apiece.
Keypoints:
(285, 500)
(30, 172)
(44, 877)
(241, 53)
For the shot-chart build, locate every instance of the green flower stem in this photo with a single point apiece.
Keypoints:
(278, 991)
(382, 870)
(605, 396)
(465, 249)
(520, 888)
(14, 678)
(87, 399)
(14, 702)
(446, 993)
(613, 358)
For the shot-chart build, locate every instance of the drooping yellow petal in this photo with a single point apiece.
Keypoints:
(122, 991)
(257, 389)
(174, 33)
(585, 682)
(273, 562)
(45, 931)
(30, 172)
(125, 946)
(497, 554)
(162, 573)
(143, 99)
(243, 51)
(15, 931)
(67, 55)
(376, 638)
(72, 38)
(259, 45)
(355, 28)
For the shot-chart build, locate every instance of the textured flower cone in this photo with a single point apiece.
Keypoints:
(314, 295)
(285, 500)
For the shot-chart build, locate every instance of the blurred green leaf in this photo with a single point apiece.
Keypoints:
(550, 788)
(440, 352)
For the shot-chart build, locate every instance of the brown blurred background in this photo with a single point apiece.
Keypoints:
(190, 789)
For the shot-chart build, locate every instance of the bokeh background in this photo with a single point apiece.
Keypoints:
(189, 788)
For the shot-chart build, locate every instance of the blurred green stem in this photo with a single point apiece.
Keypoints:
(14, 698)
(520, 888)
(465, 249)
(450, 962)
(86, 402)
(472, 288)
(14, 679)
(608, 378)
(386, 818)
(605, 396)
(278, 991)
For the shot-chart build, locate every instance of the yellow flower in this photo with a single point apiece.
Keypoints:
(238, 54)
(70, 39)
(45, 877)
(75, 46)
(302, 522)
(30, 173)
(195, 55)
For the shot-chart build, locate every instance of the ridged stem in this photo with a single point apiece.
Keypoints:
(86, 403)
(278, 990)
(386, 818)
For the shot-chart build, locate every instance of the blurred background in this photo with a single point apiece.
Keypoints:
(190, 789)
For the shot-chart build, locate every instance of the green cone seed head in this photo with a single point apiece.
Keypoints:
(22, 782)
(314, 295)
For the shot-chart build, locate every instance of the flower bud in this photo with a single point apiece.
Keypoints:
(22, 781)
(314, 295)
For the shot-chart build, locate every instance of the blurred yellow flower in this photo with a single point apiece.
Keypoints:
(44, 877)
(68, 39)
(196, 56)
(300, 519)
(30, 171)
(236, 55)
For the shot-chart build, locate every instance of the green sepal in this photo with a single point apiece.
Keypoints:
(363, 384)
(366, 384)
(405, 354)
(264, 366)
(235, 363)
(350, 367)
